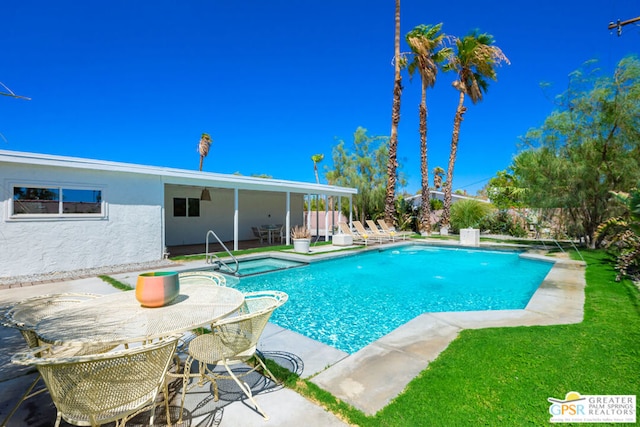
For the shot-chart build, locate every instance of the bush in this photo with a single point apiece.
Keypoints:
(436, 204)
(501, 222)
(468, 213)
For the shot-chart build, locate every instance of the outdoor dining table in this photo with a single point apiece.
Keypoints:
(119, 318)
(270, 229)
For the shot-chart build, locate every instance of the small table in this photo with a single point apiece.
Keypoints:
(271, 228)
(119, 318)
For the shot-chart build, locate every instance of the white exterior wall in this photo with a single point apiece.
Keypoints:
(130, 232)
(254, 208)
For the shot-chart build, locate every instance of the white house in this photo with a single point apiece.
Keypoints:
(64, 213)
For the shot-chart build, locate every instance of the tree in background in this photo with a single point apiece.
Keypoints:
(587, 148)
(622, 234)
(475, 62)
(438, 174)
(504, 191)
(392, 162)
(426, 43)
(317, 158)
(363, 167)
(203, 147)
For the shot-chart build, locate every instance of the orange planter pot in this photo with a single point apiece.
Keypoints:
(158, 288)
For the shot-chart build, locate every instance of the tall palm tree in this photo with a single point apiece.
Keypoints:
(203, 147)
(317, 158)
(475, 62)
(392, 163)
(424, 41)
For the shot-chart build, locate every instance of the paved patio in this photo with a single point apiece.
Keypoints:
(368, 379)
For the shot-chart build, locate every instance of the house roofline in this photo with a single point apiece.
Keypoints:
(176, 176)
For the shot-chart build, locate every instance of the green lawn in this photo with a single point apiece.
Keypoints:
(503, 376)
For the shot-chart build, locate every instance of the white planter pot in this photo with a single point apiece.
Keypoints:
(470, 237)
(301, 245)
(444, 231)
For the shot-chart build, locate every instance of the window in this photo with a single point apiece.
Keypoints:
(186, 207)
(194, 207)
(179, 206)
(57, 201)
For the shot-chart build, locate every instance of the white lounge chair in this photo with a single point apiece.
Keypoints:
(356, 237)
(364, 232)
(382, 235)
(385, 227)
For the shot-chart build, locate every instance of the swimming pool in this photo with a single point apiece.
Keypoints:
(248, 267)
(352, 301)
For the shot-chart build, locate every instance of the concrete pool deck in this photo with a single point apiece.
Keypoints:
(367, 380)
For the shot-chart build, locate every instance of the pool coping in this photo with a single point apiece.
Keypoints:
(372, 377)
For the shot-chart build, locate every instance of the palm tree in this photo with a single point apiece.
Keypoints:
(475, 61)
(203, 147)
(424, 41)
(438, 173)
(392, 163)
(317, 158)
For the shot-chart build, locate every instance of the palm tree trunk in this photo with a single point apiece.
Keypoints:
(425, 211)
(457, 121)
(392, 164)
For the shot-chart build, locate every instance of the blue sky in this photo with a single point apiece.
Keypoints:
(275, 82)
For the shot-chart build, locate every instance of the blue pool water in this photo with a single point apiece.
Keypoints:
(350, 302)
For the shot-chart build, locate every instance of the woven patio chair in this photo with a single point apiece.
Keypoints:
(25, 315)
(198, 276)
(91, 390)
(233, 341)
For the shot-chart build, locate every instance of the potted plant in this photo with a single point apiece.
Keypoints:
(301, 239)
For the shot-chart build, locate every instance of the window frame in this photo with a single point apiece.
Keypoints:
(60, 215)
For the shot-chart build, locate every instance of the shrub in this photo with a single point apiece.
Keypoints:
(468, 213)
(502, 222)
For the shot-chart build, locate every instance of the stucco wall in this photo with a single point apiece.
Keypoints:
(254, 208)
(130, 232)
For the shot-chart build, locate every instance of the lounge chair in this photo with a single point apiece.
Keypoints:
(382, 235)
(364, 232)
(388, 229)
(356, 237)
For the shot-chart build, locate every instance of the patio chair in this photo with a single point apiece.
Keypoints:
(364, 232)
(233, 341)
(382, 235)
(356, 237)
(387, 229)
(200, 276)
(91, 390)
(25, 315)
(280, 234)
(260, 233)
